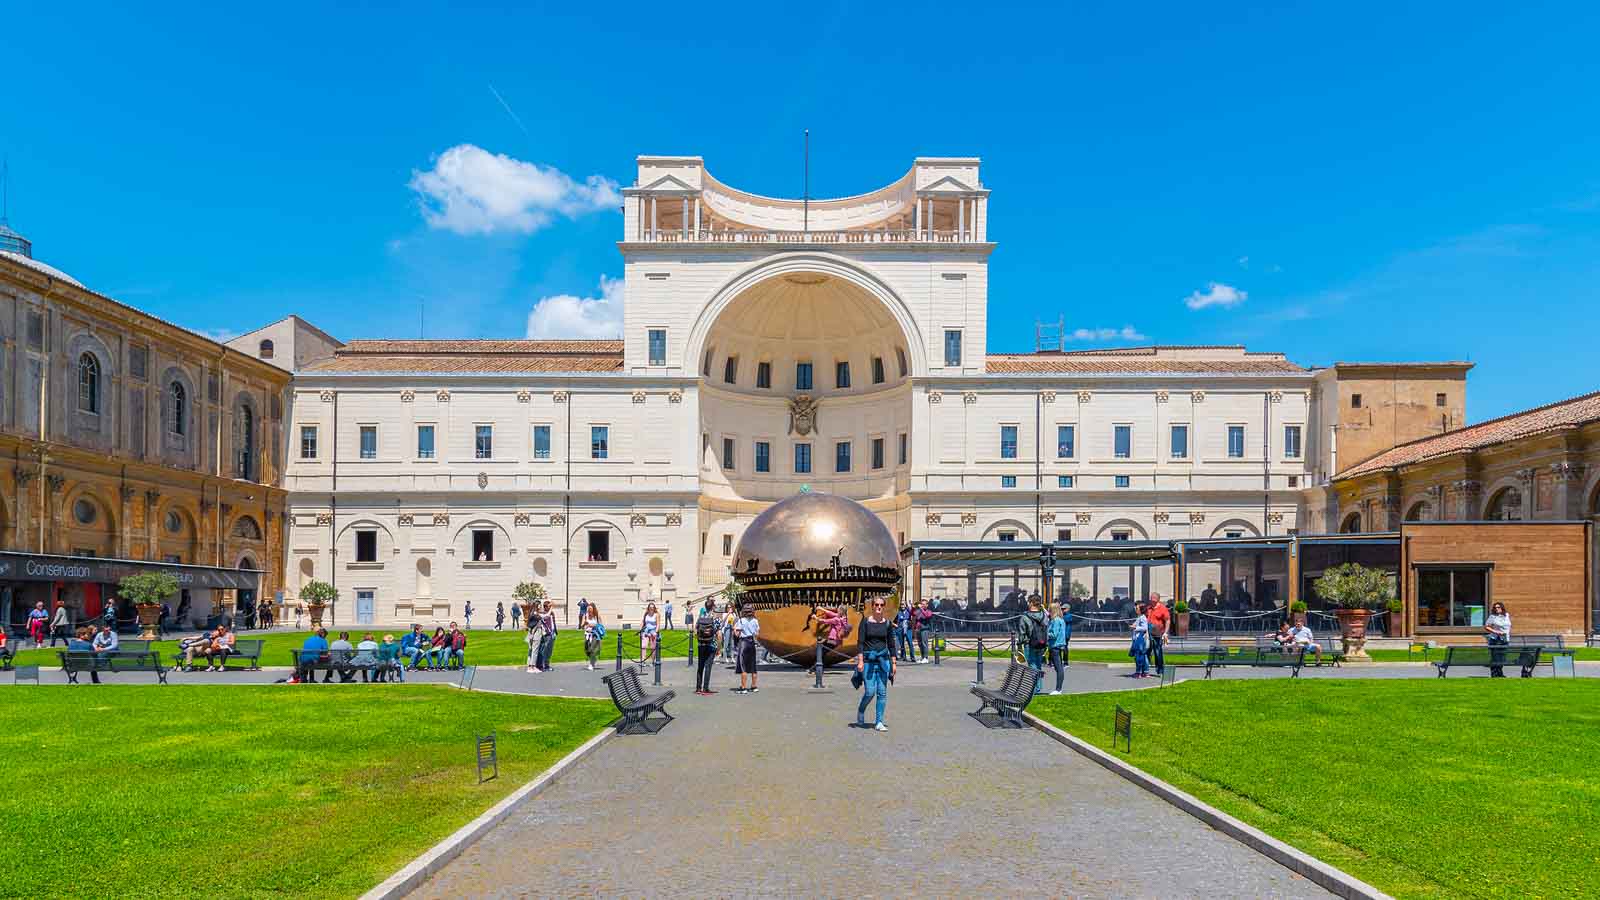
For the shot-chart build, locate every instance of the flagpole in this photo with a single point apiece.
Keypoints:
(806, 216)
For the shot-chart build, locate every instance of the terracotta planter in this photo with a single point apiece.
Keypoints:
(528, 610)
(149, 618)
(315, 610)
(1353, 631)
(1180, 621)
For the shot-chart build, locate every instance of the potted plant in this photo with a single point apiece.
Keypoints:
(147, 591)
(1354, 591)
(1394, 624)
(528, 594)
(317, 596)
(1180, 617)
(1297, 612)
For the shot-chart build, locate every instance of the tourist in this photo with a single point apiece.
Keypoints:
(583, 608)
(455, 647)
(389, 661)
(59, 626)
(1140, 649)
(413, 646)
(366, 659)
(340, 652)
(1497, 631)
(593, 634)
(190, 647)
(1033, 637)
(1057, 636)
(1301, 638)
(1160, 621)
(666, 616)
(299, 612)
(38, 624)
(649, 632)
(547, 644)
(499, 615)
(106, 640)
(921, 624)
(1208, 598)
(728, 619)
(221, 646)
(312, 651)
(163, 619)
(875, 664)
(707, 627)
(430, 647)
(902, 633)
(81, 644)
(466, 614)
(516, 615)
(535, 640)
(746, 628)
(688, 617)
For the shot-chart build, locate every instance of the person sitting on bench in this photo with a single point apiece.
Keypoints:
(1301, 637)
(198, 646)
(457, 655)
(414, 646)
(106, 641)
(81, 644)
(311, 653)
(1282, 638)
(366, 658)
(221, 646)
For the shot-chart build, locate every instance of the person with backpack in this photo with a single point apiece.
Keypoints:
(499, 615)
(467, 614)
(1060, 633)
(593, 633)
(1033, 636)
(535, 640)
(921, 624)
(547, 644)
(707, 627)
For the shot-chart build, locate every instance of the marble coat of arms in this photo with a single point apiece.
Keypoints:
(802, 414)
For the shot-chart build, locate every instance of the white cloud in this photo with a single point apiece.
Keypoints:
(1216, 294)
(220, 335)
(1244, 262)
(566, 316)
(472, 191)
(1125, 333)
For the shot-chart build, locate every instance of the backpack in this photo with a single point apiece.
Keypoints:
(1038, 632)
(705, 628)
(599, 631)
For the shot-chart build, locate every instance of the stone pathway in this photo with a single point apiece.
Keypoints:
(772, 794)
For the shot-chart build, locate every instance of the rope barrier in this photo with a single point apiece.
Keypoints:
(1219, 616)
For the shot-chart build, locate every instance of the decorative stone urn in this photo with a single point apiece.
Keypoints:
(1353, 632)
(149, 617)
(1180, 621)
(315, 611)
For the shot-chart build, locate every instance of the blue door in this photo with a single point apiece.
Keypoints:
(364, 605)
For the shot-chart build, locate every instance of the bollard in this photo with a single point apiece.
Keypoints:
(656, 666)
(1013, 648)
(819, 664)
(1066, 652)
(980, 659)
(690, 654)
(619, 651)
(936, 636)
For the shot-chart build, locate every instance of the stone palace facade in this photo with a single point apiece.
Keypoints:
(772, 346)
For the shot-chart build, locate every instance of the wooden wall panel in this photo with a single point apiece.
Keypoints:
(1540, 569)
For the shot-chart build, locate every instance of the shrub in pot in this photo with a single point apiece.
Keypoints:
(1180, 617)
(1354, 591)
(317, 596)
(528, 593)
(147, 591)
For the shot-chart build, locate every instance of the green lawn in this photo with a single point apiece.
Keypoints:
(254, 791)
(1423, 788)
(484, 647)
(1120, 655)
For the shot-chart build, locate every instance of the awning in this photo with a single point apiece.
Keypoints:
(46, 567)
(1026, 554)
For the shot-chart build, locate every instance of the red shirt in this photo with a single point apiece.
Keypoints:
(1159, 618)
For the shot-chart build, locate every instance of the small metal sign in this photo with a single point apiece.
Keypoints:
(1169, 675)
(488, 758)
(1123, 728)
(469, 674)
(1562, 664)
(26, 673)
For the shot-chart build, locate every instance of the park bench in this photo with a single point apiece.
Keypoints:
(76, 662)
(1553, 645)
(7, 654)
(1015, 693)
(248, 650)
(1188, 645)
(1260, 658)
(330, 661)
(1524, 658)
(635, 704)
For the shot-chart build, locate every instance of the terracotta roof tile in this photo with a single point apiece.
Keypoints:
(1565, 414)
(1131, 364)
(474, 356)
(582, 348)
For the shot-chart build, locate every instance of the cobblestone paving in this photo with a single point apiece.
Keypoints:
(772, 794)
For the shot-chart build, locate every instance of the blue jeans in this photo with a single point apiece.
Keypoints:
(875, 685)
(1035, 658)
(1141, 658)
(416, 655)
(438, 656)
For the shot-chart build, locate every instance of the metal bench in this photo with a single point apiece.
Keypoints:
(1260, 658)
(1553, 644)
(635, 704)
(76, 662)
(1188, 645)
(248, 650)
(1015, 693)
(7, 654)
(1525, 658)
(334, 662)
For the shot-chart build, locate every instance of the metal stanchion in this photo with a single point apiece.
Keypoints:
(819, 664)
(656, 664)
(619, 651)
(937, 635)
(690, 654)
(980, 659)
(1066, 652)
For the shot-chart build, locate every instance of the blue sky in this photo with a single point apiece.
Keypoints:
(1357, 182)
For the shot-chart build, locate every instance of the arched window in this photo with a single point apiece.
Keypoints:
(88, 383)
(247, 528)
(1352, 524)
(1421, 511)
(900, 357)
(265, 350)
(176, 397)
(1505, 505)
(244, 442)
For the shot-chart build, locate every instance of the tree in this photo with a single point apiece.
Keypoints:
(528, 592)
(318, 593)
(731, 591)
(1354, 586)
(1079, 591)
(148, 588)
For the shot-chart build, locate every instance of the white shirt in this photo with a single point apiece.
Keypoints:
(1301, 635)
(1499, 624)
(747, 627)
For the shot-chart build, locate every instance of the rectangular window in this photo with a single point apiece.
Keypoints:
(763, 456)
(1355, 401)
(802, 459)
(1452, 597)
(727, 545)
(424, 442)
(1291, 441)
(705, 365)
(1008, 442)
(1294, 481)
(308, 442)
(482, 545)
(1066, 441)
(904, 449)
(764, 375)
(1180, 442)
(1063, 481)
(139, 362)
(658, 346)
(802, 376)
(728, 460)
(369, 442)
(1236, 442)
(599, 545)
(541, 442)
(1438, 400)
(877, 453)
(841, 456)
(483, 441)
(841, 375)
(1121, 535)
(35, 330)
(952, 346)
(1122, 481)
(877, 370)
(1122, 441)
(1063, 535)
(900, 358)
(599, 441)
(1006, 537)
(1008, 481)
(730, 370)
(366, 546)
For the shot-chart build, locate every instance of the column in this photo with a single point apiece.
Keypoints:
(685, 221)
(916, 218)
(961, 219)
(652, 218)
(697, 217)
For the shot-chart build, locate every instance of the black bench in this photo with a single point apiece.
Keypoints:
(248, 650)
(1015, 693)
(7, 654)
(76, 662)
(1258, 658)
(1554, 645)
(333, 662)
(635, 704)
(1188, 645)
(1524, 658)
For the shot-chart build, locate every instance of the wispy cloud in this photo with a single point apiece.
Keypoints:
(1216, 294)
(1244, 262)
(567, 316)
(220, 335)
(472, 191)
(1125, 333)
